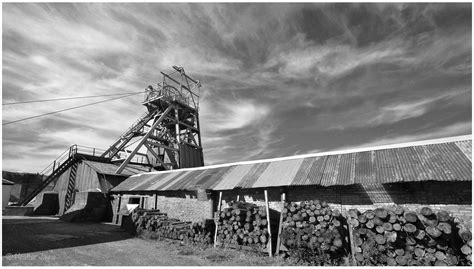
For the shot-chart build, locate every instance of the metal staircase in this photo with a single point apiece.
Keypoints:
(128, 135)
(68, 158)
(63, 162)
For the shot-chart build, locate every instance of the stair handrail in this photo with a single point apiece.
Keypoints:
(52, 165)
(136, 123)
(71, 151)
(148, 113)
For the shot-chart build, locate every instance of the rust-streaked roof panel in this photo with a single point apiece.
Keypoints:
(302, 174)
(205, 182)
(232, 178)
(441, 161)
(166, 180)
(252, 175)
(465, 147)
(278, 173)
(387, 168)
(346, 173)
(456, 159)
(179, 183)
(331, 170)
(316, 171)
(364, 168)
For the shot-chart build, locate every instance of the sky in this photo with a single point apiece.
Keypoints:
(277, 79)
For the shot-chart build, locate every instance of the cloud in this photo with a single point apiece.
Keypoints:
(278, 78)
(234, 115)
(447, 131)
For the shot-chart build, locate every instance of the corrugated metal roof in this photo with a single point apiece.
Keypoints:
(228, 181)
(442, 161)
(249, 179)
(279, 173)
(110, 168)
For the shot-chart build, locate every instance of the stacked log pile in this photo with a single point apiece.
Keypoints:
(396, 237)
(156, 225)
(243, 224)
(313, 225)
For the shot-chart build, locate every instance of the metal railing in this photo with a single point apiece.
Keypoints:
(169, 92)
(84, 150)
(71, 151)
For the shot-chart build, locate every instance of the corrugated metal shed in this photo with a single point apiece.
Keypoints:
(441, 161)
(110, 168)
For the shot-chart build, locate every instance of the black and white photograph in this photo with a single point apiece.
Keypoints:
(236, 134)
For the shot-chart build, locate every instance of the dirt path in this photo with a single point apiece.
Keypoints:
(56, 243)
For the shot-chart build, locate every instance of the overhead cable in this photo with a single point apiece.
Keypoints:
(66, 98)
(71, 108)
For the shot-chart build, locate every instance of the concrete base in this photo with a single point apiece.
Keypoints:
(18, 211)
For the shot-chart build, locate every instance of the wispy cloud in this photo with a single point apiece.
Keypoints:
(450, 130)
(278, 79)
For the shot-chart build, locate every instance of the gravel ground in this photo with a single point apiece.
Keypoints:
(49, 242)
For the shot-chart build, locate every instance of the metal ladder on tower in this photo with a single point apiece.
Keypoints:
(71, 186)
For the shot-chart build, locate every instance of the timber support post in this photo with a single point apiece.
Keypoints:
(351, 236)
(269, 245)
(118, 209)
(283, 199)
(216, 218)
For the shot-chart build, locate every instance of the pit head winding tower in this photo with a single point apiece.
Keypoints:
(168, 134)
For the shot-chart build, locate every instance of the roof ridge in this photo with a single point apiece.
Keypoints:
(327, 153)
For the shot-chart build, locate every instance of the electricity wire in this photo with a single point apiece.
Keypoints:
(71, 108)
(66, 98)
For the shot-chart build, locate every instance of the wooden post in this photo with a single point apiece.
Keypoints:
(351, 236)
(118, 209)
(215, 219)
(283, 199)
(156, 201)
(269, 245)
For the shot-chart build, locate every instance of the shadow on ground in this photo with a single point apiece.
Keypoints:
(24, 235)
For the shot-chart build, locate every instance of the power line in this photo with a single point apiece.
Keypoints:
(71, 108)
(66, 98)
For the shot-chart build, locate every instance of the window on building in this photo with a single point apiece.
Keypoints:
(134, 200)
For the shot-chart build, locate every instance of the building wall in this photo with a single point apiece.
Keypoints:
(6, 189)
(452, 196)
(25, 183)
(86, 179)
(186, 206)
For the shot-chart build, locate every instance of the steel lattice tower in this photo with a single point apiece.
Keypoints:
(168, 132)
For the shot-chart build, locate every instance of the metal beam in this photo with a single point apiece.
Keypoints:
(156, 155)
(189, 126)
(197, 124)
(140, 144)
(160, 145)
(128, 135)
(177, 82)
(179, 70)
